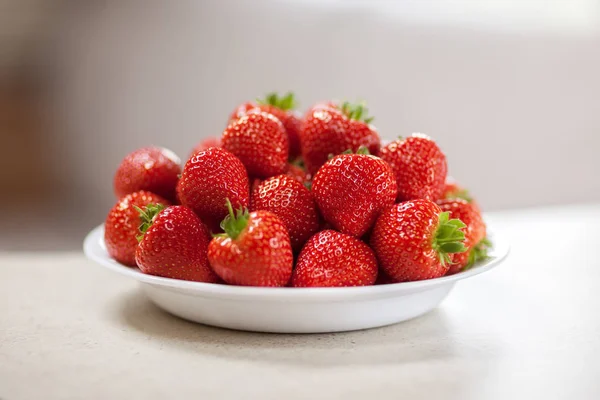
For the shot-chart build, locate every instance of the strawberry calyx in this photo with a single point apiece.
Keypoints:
(285, 102)
(147, 216)
(448, 237)
(356, 112)
(479, 252)
(235, 222)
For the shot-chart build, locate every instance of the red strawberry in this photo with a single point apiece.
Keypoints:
(331, 258)
(210, 177)
(174, 244)
(475, 233)
(154, 169)
(259, 140)
(206, 144)
(122, 225)
(255, 250)
(419, 165)
(329, 130)
(414, 240)
(292, 203)
(282, 108)
(351, 190)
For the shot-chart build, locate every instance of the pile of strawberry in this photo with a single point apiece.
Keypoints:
(285, 200)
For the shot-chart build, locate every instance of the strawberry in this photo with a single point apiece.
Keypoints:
(122, 223)
(255, 249)
(174, 244)
(281, 107)
(331, 130)
(351, 190)
(414, 240)
(206, 143)
(295, 170)
(210, 177)
(292, 203)
(153, 169)
(259, 140)
(475, 233)
(330, 258)
(419, 165)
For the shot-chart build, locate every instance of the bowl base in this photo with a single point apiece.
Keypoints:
(290, 317)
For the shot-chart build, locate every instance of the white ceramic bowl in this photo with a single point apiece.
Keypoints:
(291, 310)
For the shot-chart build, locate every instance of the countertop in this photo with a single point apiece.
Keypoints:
(529, 328)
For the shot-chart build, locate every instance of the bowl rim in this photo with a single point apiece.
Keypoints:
(95, 250)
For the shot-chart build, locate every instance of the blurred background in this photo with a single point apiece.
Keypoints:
(510, 90)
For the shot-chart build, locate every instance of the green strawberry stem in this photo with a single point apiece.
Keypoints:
(147, 216)
(357, 112)
(234, 223)
(448, 237)
(361, 150)
(285, 103)
(479, 252)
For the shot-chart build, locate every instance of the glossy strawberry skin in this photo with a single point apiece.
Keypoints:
(402, 240)
(475, 231)
(208, 179)
(206, 144)
(326, 130)
(330, 258)
(419, 165)
(292, 203)
(294, 171)
(260, 256)
(259, 140)
(176, 247)
(154, 169)
(351, 191)
(290, 119)
(122, 225)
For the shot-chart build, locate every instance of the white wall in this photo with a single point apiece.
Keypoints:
(509, 89)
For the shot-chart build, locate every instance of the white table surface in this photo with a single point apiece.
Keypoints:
(528, 329)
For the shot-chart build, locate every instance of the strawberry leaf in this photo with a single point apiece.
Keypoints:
(285, 103)
(235, 222)
(147, 216)
(448, 237)
(356, 112)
